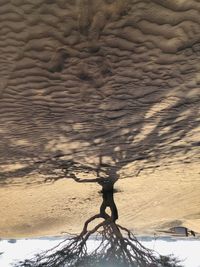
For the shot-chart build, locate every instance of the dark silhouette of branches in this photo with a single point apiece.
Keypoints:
(115, 246)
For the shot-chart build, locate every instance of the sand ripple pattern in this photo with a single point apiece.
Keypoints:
(116, 78)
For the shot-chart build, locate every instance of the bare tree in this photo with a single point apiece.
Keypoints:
(115, 246)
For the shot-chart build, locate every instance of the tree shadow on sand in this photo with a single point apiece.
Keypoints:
(115, 245)
(99, 97)
(143, 150)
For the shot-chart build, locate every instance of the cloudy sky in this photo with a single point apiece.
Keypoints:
(24, 248)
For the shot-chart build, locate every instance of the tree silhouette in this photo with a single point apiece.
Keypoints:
(116, 245)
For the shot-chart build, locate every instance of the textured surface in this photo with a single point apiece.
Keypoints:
(116, 79)
(86, 78)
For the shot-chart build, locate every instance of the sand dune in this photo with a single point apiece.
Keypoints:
(89, 81)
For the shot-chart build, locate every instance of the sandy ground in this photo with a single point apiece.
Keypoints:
(89, 79)
(151, 201)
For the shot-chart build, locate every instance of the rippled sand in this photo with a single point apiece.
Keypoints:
(83, 80)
